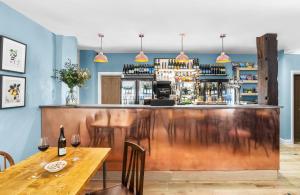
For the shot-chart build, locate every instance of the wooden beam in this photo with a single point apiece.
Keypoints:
(267, 69)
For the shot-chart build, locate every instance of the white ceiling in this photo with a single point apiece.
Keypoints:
(162, 20)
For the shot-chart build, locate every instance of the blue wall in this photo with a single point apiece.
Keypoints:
(89, 94)
(20, 127)
(287, 64)
(66, 48)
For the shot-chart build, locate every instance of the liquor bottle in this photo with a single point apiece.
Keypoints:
(174, 64)
(151, 69)
(171, 64)
(146, 69)
(133, 69)
(136, 69)
(156, 64)
(126, 69)
(61, 145)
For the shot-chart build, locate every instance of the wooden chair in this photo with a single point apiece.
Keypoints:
(142, 131)
(104, 130)
(6, 157)
(91, 131)
(132, 173)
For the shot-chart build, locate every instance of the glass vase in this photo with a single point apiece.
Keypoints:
(71, 98)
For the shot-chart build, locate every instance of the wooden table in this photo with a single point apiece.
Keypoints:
(71, 180)
(99, 124)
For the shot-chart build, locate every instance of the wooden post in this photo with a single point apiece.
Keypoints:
(267, 69)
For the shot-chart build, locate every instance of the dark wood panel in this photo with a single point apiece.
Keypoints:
(110, 89)
(267, 69)
(297, 108)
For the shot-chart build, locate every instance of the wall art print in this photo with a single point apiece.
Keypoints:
(12, 55)
(12, 91)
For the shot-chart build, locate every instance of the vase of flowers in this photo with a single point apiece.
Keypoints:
(73, 76)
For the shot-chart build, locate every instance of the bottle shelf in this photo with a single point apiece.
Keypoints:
(212, 74)
(138, 75)
(176, 70)
(249, 94)
(249, 81)
(247, 69)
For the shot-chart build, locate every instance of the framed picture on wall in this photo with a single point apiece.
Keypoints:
(12, 91)
(12, 55)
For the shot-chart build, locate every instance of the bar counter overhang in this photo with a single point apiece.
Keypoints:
(176, 138)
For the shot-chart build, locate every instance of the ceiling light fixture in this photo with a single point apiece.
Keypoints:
(223, 58)
(100, 57)
(141, 57)
(182, 58)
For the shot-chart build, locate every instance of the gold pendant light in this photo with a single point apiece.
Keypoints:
(223, 58)
(100, 57)
(141, 57)
(182, 58)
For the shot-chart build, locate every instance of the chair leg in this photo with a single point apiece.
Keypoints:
(153, 125)
(149, 145)
(249, 145)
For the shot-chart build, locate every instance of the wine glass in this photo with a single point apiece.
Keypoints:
(75, 142)
(42, 146)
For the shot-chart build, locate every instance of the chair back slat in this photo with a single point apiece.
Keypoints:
(137, 174)
(129, 168)
(6, 158)
(131, 183)
(133, 171)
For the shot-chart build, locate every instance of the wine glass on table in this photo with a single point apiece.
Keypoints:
(43, 146)
(75, 142)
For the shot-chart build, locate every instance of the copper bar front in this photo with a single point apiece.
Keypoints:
(175, 139)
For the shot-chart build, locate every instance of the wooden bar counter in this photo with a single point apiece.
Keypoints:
(177, 138)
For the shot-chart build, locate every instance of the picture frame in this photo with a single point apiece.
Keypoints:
(12, 91)
(12, 55)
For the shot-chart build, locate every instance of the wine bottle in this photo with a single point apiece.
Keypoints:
(61, 146)
(126, 69)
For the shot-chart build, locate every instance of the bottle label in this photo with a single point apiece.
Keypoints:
(62, 151)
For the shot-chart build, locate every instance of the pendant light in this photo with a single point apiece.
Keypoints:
(141, 57)
(223, 58)
(182, 58)
(100, 57)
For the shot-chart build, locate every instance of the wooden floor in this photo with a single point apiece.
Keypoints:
(288, 182)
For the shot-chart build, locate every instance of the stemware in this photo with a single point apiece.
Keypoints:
(75, 142)
(42, 146)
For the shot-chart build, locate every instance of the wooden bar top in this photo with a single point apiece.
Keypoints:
(136, 106)
(71, 180)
